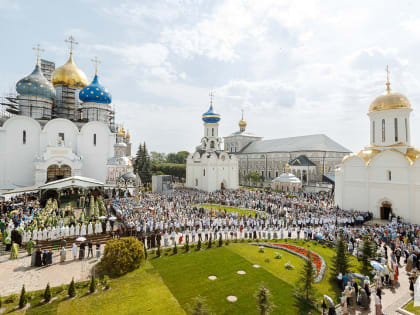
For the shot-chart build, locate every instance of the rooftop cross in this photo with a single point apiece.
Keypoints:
(96, 61)
(211, 98)
(72, 42)
(38, 50)
(388, 90)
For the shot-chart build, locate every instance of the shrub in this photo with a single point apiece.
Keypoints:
(158, 252)
(267, 260)
(264, 304)
(1, 303)
(220, 241)
(209, 243)
(175, 250)
(105, 282)
(227, 242)
(12, 298)
(47, 293)
(72, 289)
(92, 286)
(187, 247)
(166, 254)
(122, 255)
(23, 298)
(199, 244)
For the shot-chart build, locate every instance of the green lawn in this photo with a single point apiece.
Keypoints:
(186, 275)
(276, 266)
(227, 209)
(168, 285)
(410, 307)
(139, 292)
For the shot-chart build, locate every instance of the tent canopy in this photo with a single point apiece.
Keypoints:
(74, 181)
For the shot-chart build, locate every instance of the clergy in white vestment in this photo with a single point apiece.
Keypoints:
(44, 234)
(40, 235)
(77, 232)
(108, 226)
(71, 230)
(35, 235)
(90, 228)
(83, 230)
(66, 231)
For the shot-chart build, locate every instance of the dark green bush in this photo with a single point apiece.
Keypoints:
(122, 255)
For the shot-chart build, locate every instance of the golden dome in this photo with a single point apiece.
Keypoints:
(69, 74)
(242, 123)
(127, 136)
(389, 100)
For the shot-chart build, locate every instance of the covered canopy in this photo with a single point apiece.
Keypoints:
(74, 181)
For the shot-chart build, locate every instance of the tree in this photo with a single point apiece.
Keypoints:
(47, 293)
(158, 251)
(264, 304)
(220, 241)
(157, 157)
(306, 281)
(122, 255)
(368, 253)
(92, 286)
(200, 307)
(142, 164)
(175, 250)
(199, 244)
(209, 244)
(187, 247)
(23, 298)
(172, 158)
(341, 259)
(72, 289)
(182, 157)
(176, 170)
(254, 177)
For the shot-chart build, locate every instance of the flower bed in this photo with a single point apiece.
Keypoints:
(317, 260)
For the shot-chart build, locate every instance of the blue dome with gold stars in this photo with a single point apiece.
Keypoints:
(36, 84)
(95, 93)
(210, 117)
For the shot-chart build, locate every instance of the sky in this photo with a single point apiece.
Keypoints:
(294, 67)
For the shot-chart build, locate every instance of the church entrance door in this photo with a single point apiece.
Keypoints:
(222, 186)
(386, 211)
(56, 172)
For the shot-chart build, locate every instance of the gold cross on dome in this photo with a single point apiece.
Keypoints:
(72, 42)
(96, 61)
(387, 80)
(38, 50)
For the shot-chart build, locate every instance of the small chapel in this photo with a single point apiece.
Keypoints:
(384, 177)
(210, 168)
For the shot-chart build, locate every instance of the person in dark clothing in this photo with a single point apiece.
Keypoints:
(44, 257)
(38, 257)
(90, 251)
(49, 257)
(82, 251)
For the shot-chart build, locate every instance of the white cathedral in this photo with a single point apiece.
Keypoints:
(210, 168)
(58, 125)
(384, 177)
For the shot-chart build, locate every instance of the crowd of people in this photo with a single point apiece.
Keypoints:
(186, 216)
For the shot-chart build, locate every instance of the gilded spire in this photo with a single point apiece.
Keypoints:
(38, 50)
(388, 89)
(211, 98)
(96, 61)
(242, 122)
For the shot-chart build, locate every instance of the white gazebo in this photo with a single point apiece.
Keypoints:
(287, 182)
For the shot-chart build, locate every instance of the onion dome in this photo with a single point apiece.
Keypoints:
(242, 123)
(95, 93)
(127, 136)
(69, 74)
(210, 117)
(389, 100)
(36, 84)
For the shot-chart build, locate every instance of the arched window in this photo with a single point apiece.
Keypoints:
(212, 132)
(383, 130)
(373, 131)
(24, 137)
(389, 175)
(94, 139)
(211, 144)
(396, 129)
(406, 130)
(196, 182)
(277, 173)
(204, 172)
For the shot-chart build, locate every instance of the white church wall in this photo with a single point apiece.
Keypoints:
(60, 125)
(95, 156)
(18, 157)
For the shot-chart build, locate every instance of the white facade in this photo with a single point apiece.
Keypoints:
(210, 169)
(384, 177)
(30, 149)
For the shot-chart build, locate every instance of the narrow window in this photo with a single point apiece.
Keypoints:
(212, 132)
(406, 130)
(94, 139)
(277, 173)
(389, 175)
(396, 129)
(24, 137)
(207, 132)
(204, 172)
(383, 130)
(262, 173)
(373, 131)
(61, 135)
